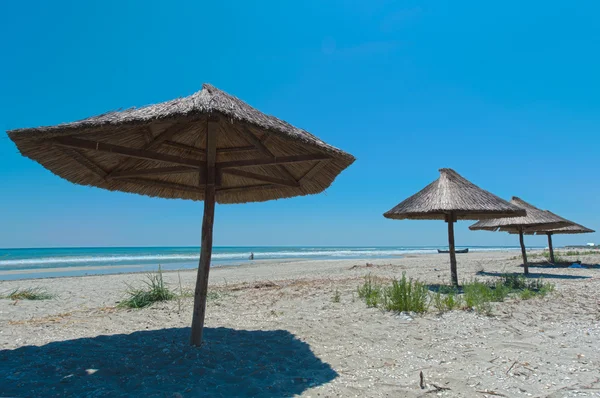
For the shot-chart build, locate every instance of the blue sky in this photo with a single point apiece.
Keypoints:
(506, 93)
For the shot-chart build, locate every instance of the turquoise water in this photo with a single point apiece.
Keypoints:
(80, 261)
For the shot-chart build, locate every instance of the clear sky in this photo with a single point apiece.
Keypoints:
(506, 93)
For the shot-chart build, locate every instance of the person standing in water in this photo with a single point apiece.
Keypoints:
(251, 256)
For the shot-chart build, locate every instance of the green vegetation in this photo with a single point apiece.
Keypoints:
(153, 291)
(517, 283)
(401, 295)
(31, 293)
(408, 295)
(526, 294)
(445, 300)
(405, 295)
(580, 253)
(336, 296)
(478, 296)
(559, 256)
(370, 291)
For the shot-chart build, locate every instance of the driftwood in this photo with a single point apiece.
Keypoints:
(491, 393)
(435, 386)
(438, 388)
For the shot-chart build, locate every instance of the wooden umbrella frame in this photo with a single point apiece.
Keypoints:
(451, 219)
(209, 175)
(451, 197)
(206, 246)
(198, 147)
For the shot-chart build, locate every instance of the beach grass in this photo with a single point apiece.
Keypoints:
(559, 256)
(370, 291)
(337, 297)
(31, 293)
(405, 295)
(413, 296)
(448, 300)
(402, 295)
(154, 290)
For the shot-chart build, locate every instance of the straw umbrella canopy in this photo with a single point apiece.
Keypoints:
(573, 228)
(450, 198)
(534, 220)
(209, 146)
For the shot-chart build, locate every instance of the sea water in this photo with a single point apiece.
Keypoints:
(20, 263)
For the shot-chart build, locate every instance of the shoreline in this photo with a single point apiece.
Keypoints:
(146, 269)
(97, 270)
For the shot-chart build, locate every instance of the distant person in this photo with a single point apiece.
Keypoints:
(251, 256)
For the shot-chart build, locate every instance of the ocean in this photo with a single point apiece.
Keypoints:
(30, 263)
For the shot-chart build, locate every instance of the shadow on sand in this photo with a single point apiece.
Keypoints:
(534, 275)
(238, 363)
(549, 265)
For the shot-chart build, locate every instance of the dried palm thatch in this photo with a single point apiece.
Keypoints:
(451, 197)
(534, 220)
(452, 193)
(573, 228)
(209, 146)
(159, 150)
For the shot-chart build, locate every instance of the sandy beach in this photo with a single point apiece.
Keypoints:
(273, 330)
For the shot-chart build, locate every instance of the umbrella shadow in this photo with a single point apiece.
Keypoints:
(562, 265)
(534, 275)
(239, 363)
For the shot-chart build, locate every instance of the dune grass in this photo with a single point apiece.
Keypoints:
(478, 296)
(30, 293)
(560, 256)
(154, 290)
(401, 295)
(405, 295)
(413, 296)
(337, 297)
(370, 291)
(449, 301)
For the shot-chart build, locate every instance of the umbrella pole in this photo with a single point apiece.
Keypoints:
(523, 252)
(207, 238)
(452, 250)
(550, 248)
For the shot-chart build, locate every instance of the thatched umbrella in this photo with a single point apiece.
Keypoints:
(452, 198)
(535, 219)
(209, 146)
(573, 228)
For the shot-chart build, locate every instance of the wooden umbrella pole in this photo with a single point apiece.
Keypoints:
(452, 250)
(523, 252)
(207, 238)
(550, 248)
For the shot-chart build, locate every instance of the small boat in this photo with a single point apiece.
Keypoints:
(461, 251)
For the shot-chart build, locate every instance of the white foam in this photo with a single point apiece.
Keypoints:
(181, 257)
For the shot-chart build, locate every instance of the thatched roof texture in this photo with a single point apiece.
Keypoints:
(573, 228)
(158, 150)
(451, 193)
(534, 220)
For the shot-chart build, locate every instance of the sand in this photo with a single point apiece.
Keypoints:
(274, 330)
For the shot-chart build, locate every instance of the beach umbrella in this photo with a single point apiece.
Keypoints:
(573, 228)
(209, 146)
(535, 219)
(450, 198)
